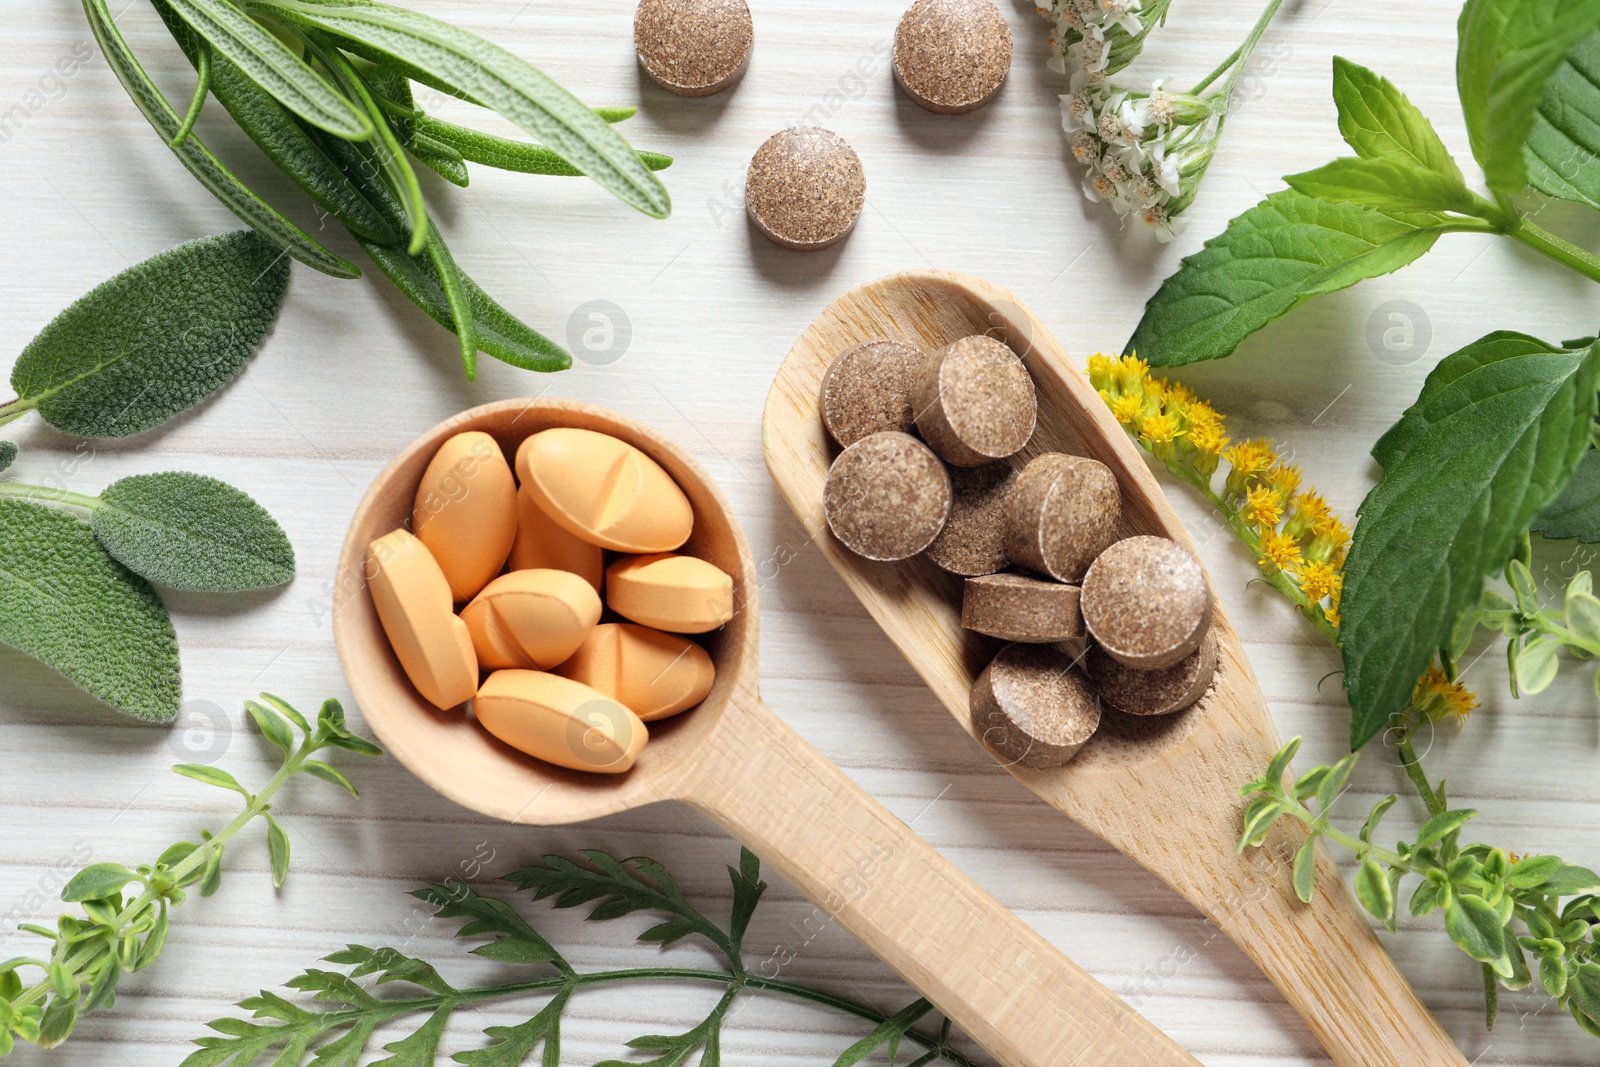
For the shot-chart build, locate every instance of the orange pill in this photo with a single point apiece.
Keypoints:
(542, 544)
(466, 511)
(680, 594)
(560, 721)
(655, 674)
(604, 491)
(413, 602)
(534, 618)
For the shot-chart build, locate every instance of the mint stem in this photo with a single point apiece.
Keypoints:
(1556, 248)
(49, 496)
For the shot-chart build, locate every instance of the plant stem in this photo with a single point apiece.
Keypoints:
(50, 496)
(1240, 55)
(1419, 777)
(13, 410)
(1556, 248)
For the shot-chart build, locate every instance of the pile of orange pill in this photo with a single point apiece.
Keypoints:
(554, 597)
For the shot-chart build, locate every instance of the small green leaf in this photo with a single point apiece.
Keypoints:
(278, 850)
(1373, 890)
(1451, 505)
(1571, 881)
(1270, 259)
(156, 339)
(1379, 122)
(1379, 810)
(1305, 787)
(318, 769)
(103, 990)
(747, 891)
(1305, 869)
(891, 1029)
(68, 604)
(155, 942)
(96, 882)
(1537, 665)
(1387, 184)
(188, 531)
(518, 156)
(62, 982)
(1425, 899)
(1280, 762)
(1258, 819)
(1553, 976)
(60, 1019)
(1583, 616)
(272, 725)
(1523, 585)
(512, 1044)
(1474, 925)
(1584, 988)
(211, 776)
(8, 454)
(1443, 824)
(211, 880)
(288, 711)
(1334, 781)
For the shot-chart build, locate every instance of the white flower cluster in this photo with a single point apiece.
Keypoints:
(1144, 150)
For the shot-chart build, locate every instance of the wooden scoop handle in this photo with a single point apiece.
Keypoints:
(988, 971)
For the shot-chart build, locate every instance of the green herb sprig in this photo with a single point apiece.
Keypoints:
(1505, 912)
(127, 912)
(1450, 506)
(323, 88)
(340, 1033)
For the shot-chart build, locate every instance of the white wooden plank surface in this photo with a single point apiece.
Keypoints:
(353, 371)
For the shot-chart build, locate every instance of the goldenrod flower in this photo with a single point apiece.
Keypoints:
(1438, 698)
(1278, 552)
(1331, 612)
(1318, 580)
(1285, 478)
(1309, 510)
(1199, 413)
(1249, 459)
(1100, 373)
(1330, 540)
(1127, 408)
(1131, 372)
(1263, 507)
(1160, 432)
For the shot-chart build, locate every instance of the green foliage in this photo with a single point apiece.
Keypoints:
(1498, 912)
(1575, 514)
(341, 1033)
(323, 89)
(1563, 150)
(121, 930)
(68, 604)
(1496, 432)
(8, 454)
(156, 339)
(1536, 635)
(188, 531)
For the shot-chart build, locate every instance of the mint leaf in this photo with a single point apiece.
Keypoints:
(1508, 50)
(1386, 184)
(1276, 255)
(188, 531)
(156, 339)
(1494, 435)
(1379, 122)
(1576, 512)
(8, 454)
(1563, 149)
(66, 603)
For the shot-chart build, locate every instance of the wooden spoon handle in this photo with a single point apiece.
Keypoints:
(988, 971)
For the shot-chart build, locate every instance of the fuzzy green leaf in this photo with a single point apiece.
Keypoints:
(459, 62)
(1537, 665)
(269, 63)
(1571, 881)
(213, 776)
(1305, 869)
(198, 159)
(1373, 890)
(65, 602)
(1531, 871)
(278, 850)
(1508, 50)
(318, 769)
(188, 531)
(1280, 762)
(1337, 778)
(1280, 253)
(1259, 816)
(1575, 514)
(1443, 824)
(272, 725)
(519, 156)
(155, 340)
(1378, 121)
(1379, 810)
(8, 454)
(1475, 926)
(96, 882)
(1496, 432)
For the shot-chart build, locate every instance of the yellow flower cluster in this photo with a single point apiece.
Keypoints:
(1293, 531)
(1438, 698)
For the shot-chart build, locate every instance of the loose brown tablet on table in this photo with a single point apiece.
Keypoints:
(693, 47)
(805, 188)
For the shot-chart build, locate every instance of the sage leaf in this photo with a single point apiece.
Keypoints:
(1305, 869)
(1278, 254)
(1378, 121)
(280, 137)
(1373, 890)
(1563, 149)
(1387, 184)
(269, 63)
(8, 454)
(457, 62)
(97, 882)
(198, 159)
(1575, 514)
(156, 339)
(1474, 925)
(1494, 435)
(1508, 50)
(1443, 824)
(277, 851)
(68, 604)
(191, 532)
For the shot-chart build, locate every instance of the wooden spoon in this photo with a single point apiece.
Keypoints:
(731, 757)
(1164, 791)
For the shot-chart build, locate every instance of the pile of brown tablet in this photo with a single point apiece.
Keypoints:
(932, 465)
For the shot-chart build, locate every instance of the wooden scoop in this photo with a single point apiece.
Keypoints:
(732, 758)
(1164, 791)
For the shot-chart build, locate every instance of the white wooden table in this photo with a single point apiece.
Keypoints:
(353, 371)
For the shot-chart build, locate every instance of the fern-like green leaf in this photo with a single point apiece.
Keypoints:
(622, 887)
(514, 940)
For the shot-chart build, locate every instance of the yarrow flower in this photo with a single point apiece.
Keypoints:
(1144, 150)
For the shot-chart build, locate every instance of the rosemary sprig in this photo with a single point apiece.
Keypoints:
(121, 931)
(341, 1033)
